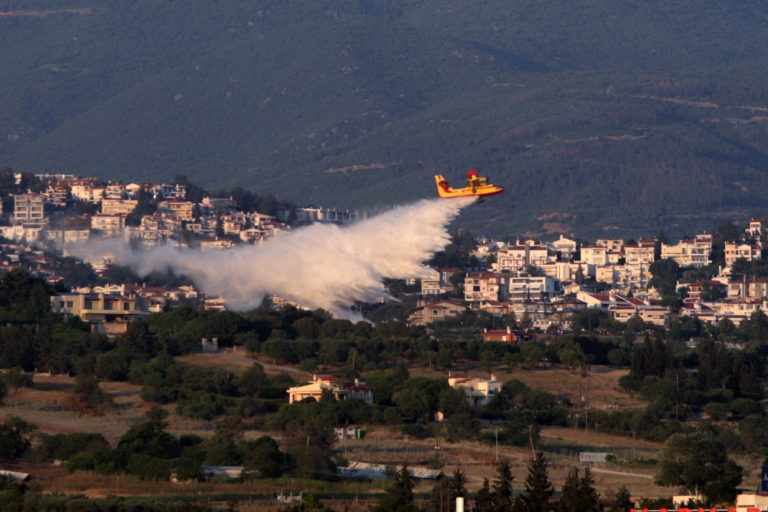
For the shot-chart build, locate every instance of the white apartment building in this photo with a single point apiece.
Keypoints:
(533, 287)
(565, 246)
(639, 254)
(594, 255)
(516, 258)
(689, 253)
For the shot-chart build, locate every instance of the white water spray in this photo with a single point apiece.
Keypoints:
(318, 266)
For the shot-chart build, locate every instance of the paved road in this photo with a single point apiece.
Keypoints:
(617, 473)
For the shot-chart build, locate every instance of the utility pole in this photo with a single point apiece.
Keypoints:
(633, 445)
(586, 401)
(677, 397)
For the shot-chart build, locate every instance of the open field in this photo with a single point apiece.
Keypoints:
(40, 405)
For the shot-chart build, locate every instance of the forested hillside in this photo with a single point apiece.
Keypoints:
(601, 118)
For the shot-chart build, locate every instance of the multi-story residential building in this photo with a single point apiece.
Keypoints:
(612, 244)
(118, 206)
(690, 253)
(114, 191)
(594, 255)
(533, 287)
(536, 313)
(435, 311)
(29, 210)
(624, 277)
(609, 274)
(185, 210)
(109, 314)
(758, 227)
(438, 281)
(56, 195)
(748, 289)
(67, 236)
(639, 253)
(485, 287)
(170, 191)
(487, 248)
(697, 289)
(233, 223)
(110, 224)
(565, 246)
(21, 233)
(516, 258)
(86, 189)
(635, 276)
(740, 250)
(648, 313)
(567, 270)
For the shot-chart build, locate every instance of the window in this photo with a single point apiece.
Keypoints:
(88, 305)
(108, 305)
(126, 306)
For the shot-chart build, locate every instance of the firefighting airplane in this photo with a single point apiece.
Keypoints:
(476, 186)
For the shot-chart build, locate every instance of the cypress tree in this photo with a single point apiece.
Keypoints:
(502, 488)
(484, 499)
(538, 488)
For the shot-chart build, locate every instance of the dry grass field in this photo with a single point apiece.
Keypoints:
(40, 405)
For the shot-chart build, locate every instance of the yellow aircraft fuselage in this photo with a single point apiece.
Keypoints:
(477, 187)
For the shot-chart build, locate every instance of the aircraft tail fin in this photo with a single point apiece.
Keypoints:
(443, 188)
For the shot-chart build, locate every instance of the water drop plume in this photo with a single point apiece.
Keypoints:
(318, 266)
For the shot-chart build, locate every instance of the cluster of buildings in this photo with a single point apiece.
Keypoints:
(543, 285)
(210, 223)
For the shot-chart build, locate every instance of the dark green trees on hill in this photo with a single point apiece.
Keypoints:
(698, 463)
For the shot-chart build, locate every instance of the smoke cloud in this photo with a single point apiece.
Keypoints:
(318, 266)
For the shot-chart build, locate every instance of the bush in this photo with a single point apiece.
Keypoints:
(416, 430)
(743, 407)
